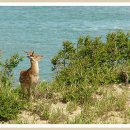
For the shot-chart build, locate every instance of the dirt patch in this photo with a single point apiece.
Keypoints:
(59, 105)
(112, 117)
(27, 117)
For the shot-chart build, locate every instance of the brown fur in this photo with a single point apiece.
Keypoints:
(29, 78)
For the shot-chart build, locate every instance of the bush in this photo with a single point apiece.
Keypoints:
(91, 62)
(8, 67)
(92, 59)
(10, 103)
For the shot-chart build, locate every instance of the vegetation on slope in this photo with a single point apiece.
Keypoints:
(87, 84)
(10, 102)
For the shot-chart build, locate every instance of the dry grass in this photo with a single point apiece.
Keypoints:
(110, 105)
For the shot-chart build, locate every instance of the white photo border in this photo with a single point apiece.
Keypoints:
(65, 125)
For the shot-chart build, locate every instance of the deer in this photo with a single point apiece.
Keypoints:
(29, 78)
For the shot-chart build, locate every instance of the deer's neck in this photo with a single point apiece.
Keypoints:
(34, 67)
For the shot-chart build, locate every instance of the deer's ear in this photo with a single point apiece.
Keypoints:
(28, 53)
(32, 53)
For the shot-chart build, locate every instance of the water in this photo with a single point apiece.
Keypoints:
(43, 29)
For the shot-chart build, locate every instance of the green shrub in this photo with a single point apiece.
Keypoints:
(92, 62)
(92, 59)
(7, 69)
(10, 103)
(80, 94)
(43, 90)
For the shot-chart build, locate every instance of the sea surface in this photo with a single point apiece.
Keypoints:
(44, 28)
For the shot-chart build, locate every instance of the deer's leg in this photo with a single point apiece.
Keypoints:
(23, 90)
(28, 92)
(33, 92)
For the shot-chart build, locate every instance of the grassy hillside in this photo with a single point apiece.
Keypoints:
(91, 85)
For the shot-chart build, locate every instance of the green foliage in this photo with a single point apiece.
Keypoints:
(10, 103)
(43, 110)
(71, 106)
(91, 62)
(8, 67)
(110, 103)
(57, 117)
(44, 90)
(80, 94)
(63, 58)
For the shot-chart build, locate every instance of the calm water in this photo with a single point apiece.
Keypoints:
(45, 28)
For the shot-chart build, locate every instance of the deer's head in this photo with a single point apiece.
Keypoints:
(34, 57)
